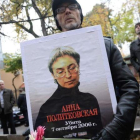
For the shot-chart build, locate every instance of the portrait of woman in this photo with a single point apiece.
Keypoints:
(68, 113)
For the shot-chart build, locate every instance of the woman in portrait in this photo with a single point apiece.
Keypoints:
(68, 113)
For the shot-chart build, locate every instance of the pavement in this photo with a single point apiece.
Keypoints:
(21, 128)
(137, 123)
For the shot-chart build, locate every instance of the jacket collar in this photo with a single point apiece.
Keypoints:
(4, 90)
(23, 92)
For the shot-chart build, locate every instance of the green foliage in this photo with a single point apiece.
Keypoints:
(123, 26)
(12, 62)
(120, 27)
(99, 16)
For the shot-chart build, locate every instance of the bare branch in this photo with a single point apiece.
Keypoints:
(30, 22)
(13, 12)
(41, 18)
(13, 21)
(28, 30)
(4, 34)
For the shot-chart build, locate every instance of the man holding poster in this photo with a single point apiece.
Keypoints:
(68, 16)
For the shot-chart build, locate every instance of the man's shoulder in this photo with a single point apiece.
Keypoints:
(7, 90)
(108, 44)
(107, 40)
(133, 42)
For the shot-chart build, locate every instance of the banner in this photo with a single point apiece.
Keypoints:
(68, 83)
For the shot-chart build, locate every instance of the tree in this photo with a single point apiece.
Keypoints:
(123, 26)
(24, 13)
(135, 4)
(120, 27)
(13, 64)
(100, 15)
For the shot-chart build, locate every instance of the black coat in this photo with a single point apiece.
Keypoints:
(9, 101)
(21, 102)
(70, 113)
(123, 123)
(135, 54)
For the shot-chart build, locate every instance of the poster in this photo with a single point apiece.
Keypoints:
(68, 83)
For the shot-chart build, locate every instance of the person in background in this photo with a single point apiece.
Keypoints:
(21, 102)
(7, 101)
(135, 49)
(68, 16)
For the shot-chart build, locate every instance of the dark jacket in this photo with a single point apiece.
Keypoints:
(70, 113)
(123, 123)
(21, 102)
(9, 101)
(135, 54)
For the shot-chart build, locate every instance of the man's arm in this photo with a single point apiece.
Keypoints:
(122, 125)
(12, 98)
(19, 101)
(133, 59)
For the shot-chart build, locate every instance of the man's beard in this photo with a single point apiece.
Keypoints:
(72, 26)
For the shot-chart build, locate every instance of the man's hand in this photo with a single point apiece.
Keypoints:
(103, 135)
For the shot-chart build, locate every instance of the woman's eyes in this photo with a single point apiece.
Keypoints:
(59, 72)
(72, 67)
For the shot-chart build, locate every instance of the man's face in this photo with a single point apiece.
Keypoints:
(1, 85)
(137, 29)
(70, 19)
(66, 71)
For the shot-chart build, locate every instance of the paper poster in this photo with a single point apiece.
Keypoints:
(68, 83)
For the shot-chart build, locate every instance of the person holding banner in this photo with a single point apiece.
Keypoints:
(68, 113)
(68, 16)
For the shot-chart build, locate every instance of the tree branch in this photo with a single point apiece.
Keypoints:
(13, 21)
(28, 30)
(27, 13)
(3, 34)
(41, 18)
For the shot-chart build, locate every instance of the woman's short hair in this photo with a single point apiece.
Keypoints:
(61, 51)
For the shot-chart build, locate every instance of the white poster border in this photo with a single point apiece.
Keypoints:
(64, 35)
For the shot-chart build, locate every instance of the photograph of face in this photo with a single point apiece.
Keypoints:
(65, 69)
(66, 84)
